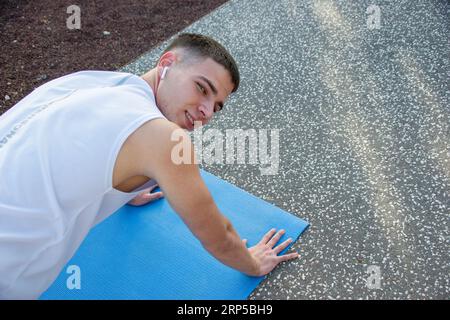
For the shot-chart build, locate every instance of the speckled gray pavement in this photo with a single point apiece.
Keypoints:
(364, 139)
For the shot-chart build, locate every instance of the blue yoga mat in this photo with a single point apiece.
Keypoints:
(148, 252)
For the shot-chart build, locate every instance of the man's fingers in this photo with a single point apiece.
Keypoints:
(154, 196)
(288, 256)
(282, 246)
(275, 238)
(267, 236)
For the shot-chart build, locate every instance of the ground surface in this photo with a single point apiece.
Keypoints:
(36, 45)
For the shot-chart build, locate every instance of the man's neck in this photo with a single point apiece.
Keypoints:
(151, 77)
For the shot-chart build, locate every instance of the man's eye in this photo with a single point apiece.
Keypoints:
(201, 88)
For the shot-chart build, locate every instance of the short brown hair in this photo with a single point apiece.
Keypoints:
(201, 46)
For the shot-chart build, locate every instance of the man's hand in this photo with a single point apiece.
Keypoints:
(146, 196)
(266, 254)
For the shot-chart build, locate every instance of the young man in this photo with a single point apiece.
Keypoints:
(79, 147)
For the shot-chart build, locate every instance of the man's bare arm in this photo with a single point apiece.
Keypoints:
(186, 192)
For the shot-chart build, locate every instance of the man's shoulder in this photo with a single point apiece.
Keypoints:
(147, 150)
(157, 138)
(158, 131)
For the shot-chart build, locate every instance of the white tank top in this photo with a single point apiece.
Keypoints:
(58, 147)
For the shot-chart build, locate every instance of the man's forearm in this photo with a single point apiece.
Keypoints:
(234, 253)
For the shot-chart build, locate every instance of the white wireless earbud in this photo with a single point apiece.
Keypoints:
(164, 72)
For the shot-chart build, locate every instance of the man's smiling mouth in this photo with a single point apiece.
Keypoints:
(190, 120)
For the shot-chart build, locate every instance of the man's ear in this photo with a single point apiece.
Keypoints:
(166, 60)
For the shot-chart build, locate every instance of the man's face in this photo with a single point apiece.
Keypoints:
(193, 92)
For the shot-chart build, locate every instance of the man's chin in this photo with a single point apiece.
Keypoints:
(184, 126)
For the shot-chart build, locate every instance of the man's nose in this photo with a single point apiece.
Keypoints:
(206, 110)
